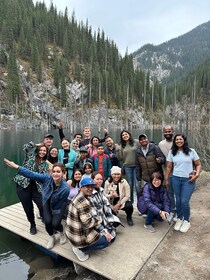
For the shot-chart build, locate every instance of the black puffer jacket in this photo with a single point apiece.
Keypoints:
(145, 166)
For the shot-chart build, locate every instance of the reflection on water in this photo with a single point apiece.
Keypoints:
(12, 267)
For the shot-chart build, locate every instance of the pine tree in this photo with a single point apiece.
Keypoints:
(14, 90)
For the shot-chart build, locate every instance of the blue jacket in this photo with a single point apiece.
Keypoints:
(72, 156)
(148, 200)
(57, 197)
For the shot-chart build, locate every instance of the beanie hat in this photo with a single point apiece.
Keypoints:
(115, 169)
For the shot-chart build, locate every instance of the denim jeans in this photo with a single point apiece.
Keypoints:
(151, 216)
(183, 190)
(171, 194)
(130, 174)
(99, 244)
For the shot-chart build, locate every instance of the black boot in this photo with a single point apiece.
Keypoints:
(33, 229)
(130, 221)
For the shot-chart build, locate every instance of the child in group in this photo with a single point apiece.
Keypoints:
(88, 170)
(102, 162)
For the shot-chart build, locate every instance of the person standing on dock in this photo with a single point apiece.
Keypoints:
(126, 154)
(165, 145)
(27, 190)
(55, 191)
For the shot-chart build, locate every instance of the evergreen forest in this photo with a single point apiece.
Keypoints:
(31, 33)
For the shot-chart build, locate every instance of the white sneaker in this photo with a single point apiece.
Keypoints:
(178, 224)
(51, 242)
(62, 238)
(80, 255)
(185, 226)
(150, 228)
(175, 218)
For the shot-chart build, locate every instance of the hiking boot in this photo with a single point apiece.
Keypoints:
(80, 255)
(178, 224)
(62, 238)
(130, 221)
(185, 226)
(33, 230)
(51, 242)
(150, 228)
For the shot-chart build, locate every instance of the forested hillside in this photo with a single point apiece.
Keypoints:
(42, 41)
(171, 60)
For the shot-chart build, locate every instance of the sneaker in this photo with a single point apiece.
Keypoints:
(130, 222)
(185, 226)
(144, 216)
(51, 242)
(178, 224)
(62, 238)
(150, 228)
(175, 219)
(80, 255)
(33, 230)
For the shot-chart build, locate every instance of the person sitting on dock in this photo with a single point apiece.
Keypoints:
(55, 191)
(82, 225)
(101, 204)
(117, 190)
(154, 201)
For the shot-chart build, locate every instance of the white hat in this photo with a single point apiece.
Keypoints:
(115, 169)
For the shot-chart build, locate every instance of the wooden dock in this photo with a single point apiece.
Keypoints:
(122, 260)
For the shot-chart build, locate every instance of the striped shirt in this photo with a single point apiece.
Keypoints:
(101, 207)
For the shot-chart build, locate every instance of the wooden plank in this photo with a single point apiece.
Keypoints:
(122, 260)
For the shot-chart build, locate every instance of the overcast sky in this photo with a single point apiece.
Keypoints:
(134, 23)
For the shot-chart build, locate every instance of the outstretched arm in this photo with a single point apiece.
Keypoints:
(39, 177)
(11, 163)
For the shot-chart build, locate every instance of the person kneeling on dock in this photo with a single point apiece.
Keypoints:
(55, 191)
(82, 225)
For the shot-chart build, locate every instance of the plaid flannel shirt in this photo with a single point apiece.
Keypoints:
(80, 223)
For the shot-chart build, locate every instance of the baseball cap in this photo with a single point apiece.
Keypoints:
(142, 136)
(49, 136)
(83, 149)
(87, 182)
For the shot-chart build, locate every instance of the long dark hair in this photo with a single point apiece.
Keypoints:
(74, 182)
(52, 159)
(174, 147)
(123, 142)
(91, 141)
(38, 160)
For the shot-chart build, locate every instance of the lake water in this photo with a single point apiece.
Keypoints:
(16, 255)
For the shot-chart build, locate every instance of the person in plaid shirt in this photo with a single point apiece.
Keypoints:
(82, 224)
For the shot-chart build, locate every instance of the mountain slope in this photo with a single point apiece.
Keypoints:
(174, 58)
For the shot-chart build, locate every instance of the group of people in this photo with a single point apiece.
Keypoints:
(88, 184)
